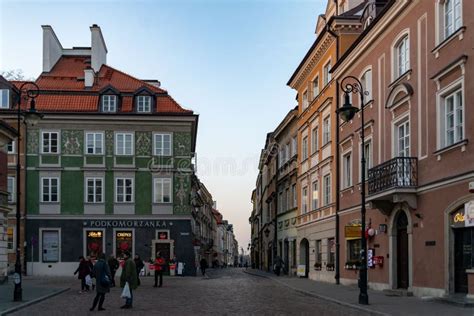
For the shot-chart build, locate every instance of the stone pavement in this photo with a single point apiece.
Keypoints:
(379, 302)
(34, 290)
(222, 292)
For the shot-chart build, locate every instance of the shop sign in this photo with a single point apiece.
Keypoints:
(94, 234)
(163, 235)
(352, 231)
(370, 258)
(127, 223)
(301, 270)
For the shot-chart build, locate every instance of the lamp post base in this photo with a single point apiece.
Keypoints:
(363, 299)
(18, 293)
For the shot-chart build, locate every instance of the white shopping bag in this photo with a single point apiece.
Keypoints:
(126, 291)
(88, 280)
(142, 272)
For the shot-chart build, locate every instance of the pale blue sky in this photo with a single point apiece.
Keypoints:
(227, 60)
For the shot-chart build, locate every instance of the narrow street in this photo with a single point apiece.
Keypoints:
(224, 292)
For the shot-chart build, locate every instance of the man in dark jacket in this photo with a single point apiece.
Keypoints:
(129, 275)
(139, 266)
(203, 266)
(103, 279)
(113, 266)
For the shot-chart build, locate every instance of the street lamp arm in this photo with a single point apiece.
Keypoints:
(351, 84)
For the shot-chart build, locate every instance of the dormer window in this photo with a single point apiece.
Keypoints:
(109, 103)
(4, 99)
(144, 104)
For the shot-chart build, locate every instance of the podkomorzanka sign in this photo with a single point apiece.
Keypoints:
(127, 223)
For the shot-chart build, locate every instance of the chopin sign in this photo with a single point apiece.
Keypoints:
(127, 223)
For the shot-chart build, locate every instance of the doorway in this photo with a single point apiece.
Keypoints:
(286, 256)
(304, 255)
(462, 258)
(402, 251)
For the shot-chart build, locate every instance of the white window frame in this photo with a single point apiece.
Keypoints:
(167, 152)
(123, 150)
(305, 100)
(94, 187)
(449, 91)
(58, 189)
(13, 144)
(304, 200)
(294, 196)
(327, 73)
(11, 191)
(326, 193)
(109, 103)
(347, 169)
(316, 88)
(94, 143)
(41, 231)
(143, 104)
(401, 49)
(314, 139)
(49, 147)
(287, 152)
(304, 149)
(294, 146)
(7, 92)
(326, 130)
(456, 17)
(315, 193)
(116, 187)
(367, 83)
(396, 139)
(162, 181)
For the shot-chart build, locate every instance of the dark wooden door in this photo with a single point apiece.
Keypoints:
(286, 260)
(402, 251)
(462, 258)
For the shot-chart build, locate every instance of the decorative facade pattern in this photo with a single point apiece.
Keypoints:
(72, 142)
(182, 187)
(143, 143)
(109, 143)
(32, 146)
(182, 144)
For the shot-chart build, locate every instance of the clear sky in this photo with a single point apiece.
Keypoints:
(228, 60)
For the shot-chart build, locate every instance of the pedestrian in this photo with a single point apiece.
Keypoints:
(129, 275)
(103, 279)
(90, 262)
(203, 265)
(159, 267)
(139, 266)
(113, 266)
(278, 265)
(83, 270)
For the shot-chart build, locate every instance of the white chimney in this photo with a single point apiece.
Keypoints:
(52, 48)
(99, 50)
(88, 77)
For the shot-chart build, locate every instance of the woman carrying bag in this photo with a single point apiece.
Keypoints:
(128, 280)
(103, 281)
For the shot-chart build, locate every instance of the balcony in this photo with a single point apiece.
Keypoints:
(393, 181)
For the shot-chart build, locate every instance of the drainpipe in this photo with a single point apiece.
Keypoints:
(338, 259)
(277, 160)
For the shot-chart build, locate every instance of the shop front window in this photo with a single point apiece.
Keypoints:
(50, 245)
(123, 242)
(94, 243)
(353, 247)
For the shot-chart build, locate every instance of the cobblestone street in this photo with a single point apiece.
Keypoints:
(223, 292)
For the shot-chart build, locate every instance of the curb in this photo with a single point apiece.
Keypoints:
(322, 297)
(32, 302)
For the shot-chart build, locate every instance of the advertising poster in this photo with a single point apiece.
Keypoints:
(469, 214)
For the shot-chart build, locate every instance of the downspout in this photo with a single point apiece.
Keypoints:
(275, 249)
(337, 263)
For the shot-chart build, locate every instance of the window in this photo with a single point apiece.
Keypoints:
(11, 147)
(280, 202)
(402, 57)
(123, 242)
(353, 248)
(94, 189)
(50, 142)
(403, 139)
(305, 200)
(327, 189)
(319, 251)
(293, 146)
(368, 158)
(346, 170)
(162, 187)
(11, 239)
(304, 154)
(49, 189)
(326, 130)
(366, 81)
(305, 100)
(144, 104)
(331, 251)
(95, 243)
(314, 140)
(327, 73)
(162, 144)
(11, 189)
(287, 199)
(124, 144)
(4, 98)
(293, 194)
(315, 195)
(123, 190)
(109, 103)
(281, 157)
(452, 112)
(287, 152)
(316, 87)
(452, 16)
(94, 143)
(50, 245)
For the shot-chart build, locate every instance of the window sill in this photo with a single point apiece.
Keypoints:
(50, 203)
(325, 145)
(461, 143)
(162, 203)
(458, 33)
(347, 189)
(124, 203)
(406, 75)
(94, 203)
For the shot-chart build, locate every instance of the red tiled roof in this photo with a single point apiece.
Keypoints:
(67, 76)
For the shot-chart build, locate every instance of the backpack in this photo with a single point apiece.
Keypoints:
(104, 278)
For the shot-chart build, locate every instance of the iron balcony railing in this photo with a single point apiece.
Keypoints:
(399, 172)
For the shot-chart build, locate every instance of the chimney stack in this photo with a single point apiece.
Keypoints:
(52, 48)
(98, 47)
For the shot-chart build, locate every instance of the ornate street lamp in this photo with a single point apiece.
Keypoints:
(28, 91)
(351, 84)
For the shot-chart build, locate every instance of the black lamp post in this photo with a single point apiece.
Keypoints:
(351, 84)
(28, 91)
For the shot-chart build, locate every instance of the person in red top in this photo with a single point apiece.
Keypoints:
(159, 267)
